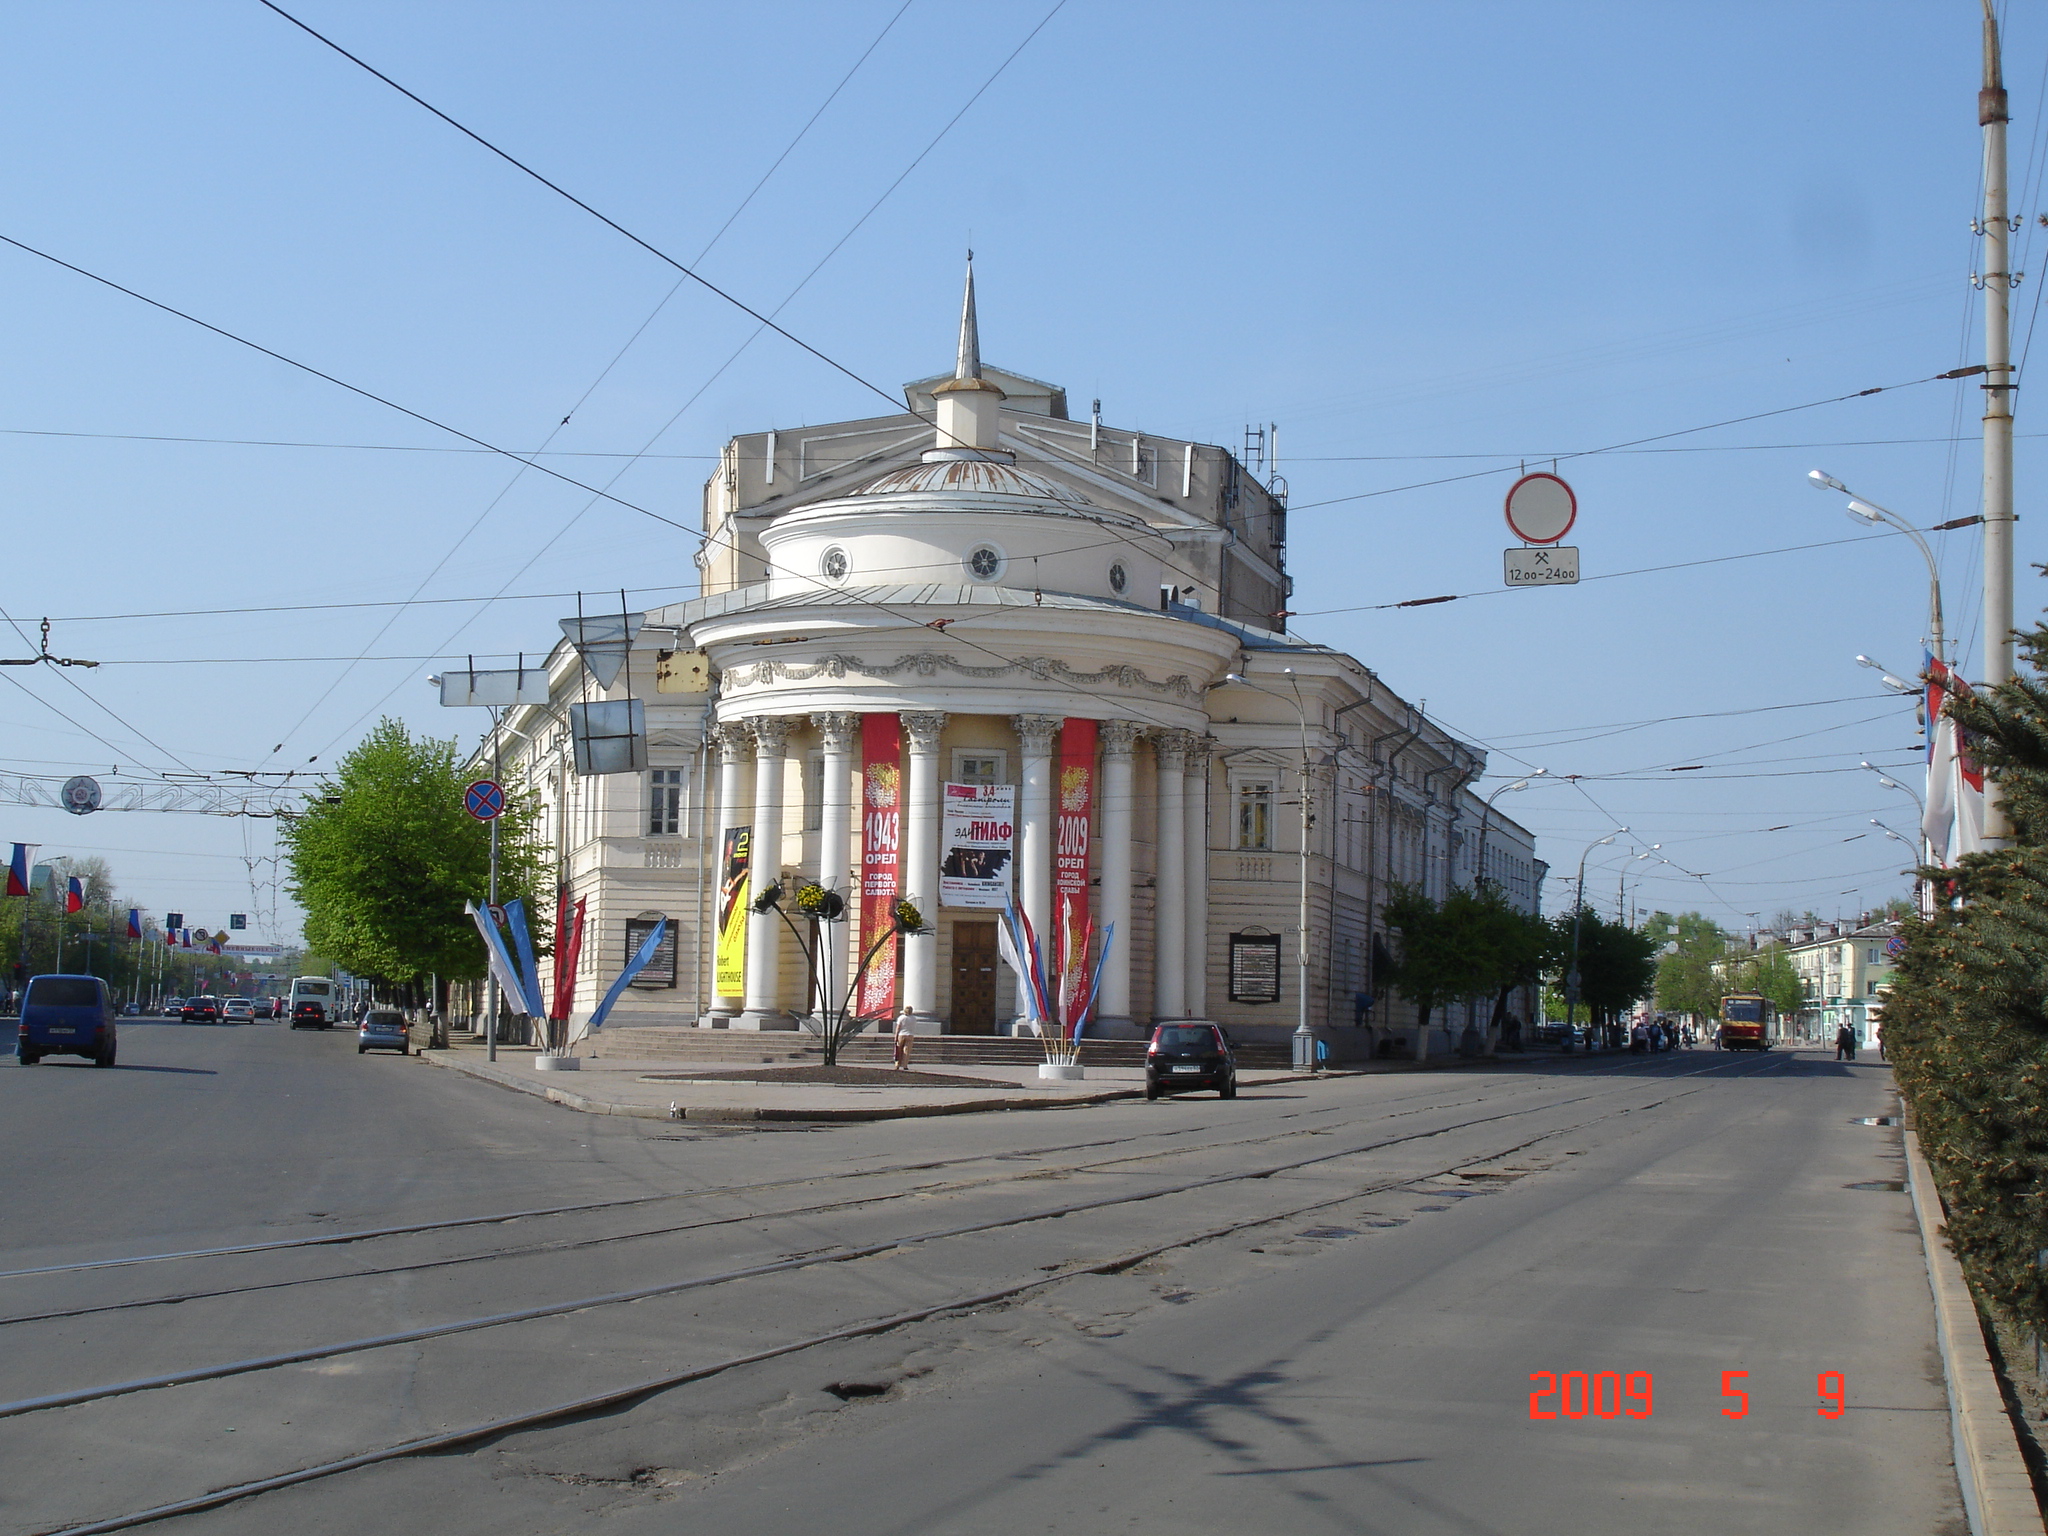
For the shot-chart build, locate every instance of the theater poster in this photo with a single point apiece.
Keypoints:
(881, 831)
(977, 832)
(734, 898)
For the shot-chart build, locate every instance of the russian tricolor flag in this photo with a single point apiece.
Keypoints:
(135, 922)
(18, 867)
(185, 935)
(74, 895)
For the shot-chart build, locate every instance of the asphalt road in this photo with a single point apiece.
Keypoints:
(1349, 1348)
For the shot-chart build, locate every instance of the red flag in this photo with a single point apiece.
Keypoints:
(568, 949)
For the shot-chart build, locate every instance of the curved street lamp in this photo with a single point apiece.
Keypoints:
(1486, 815)
(1871, 514)
(1571, 977)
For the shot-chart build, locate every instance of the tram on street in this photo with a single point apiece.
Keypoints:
(1745, 1022)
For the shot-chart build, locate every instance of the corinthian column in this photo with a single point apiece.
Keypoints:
(838, 730)
(921, 863)
(734, 746)
(1195, 811)
(1113, 1006)
(1169, 904)
(764, 929)
(1035, 824)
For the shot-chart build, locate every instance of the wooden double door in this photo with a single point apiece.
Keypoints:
(974, 978)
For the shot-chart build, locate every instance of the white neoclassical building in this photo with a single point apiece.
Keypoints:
(983, 592)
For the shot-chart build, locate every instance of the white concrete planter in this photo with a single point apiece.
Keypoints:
(1060, 1072)
(558, 1063)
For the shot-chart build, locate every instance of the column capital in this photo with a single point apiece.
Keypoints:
(1196, 760)
(1036, 731)
(1172, 748)
(1117, 737)
(923, 726)
(734, 741)
(839, 727)
(771, 734)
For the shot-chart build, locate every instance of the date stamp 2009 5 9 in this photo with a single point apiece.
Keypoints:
(1612, 1395)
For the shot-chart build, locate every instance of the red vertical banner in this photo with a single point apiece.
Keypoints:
(1073, 813)
(881, 869)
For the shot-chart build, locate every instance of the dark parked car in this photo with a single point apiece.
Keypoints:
(1184, 1056)
(66, 1016)
(201, 1010)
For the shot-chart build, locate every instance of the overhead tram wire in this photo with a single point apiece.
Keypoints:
(104, 708)
(1635, 442)
(561, 426)
(613, 224)
(766, 322)
(909, 618)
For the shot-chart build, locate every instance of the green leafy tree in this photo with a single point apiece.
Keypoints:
(1771, 973)
(1470, 944)
(1617, 964)
(1687, 981)
(383, 857)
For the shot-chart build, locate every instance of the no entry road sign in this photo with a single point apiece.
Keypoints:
(485, 800)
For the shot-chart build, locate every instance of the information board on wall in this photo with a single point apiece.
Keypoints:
(1255, 967)
(661, 970)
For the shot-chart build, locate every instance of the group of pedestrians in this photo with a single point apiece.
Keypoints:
(1659, 1034)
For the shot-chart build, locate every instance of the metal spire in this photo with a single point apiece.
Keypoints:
(969, 364)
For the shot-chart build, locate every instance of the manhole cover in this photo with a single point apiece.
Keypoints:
(1329, 1232)
(1887, 1186)
(1874, 1120)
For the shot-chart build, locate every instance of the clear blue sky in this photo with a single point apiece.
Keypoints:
(1409, 234)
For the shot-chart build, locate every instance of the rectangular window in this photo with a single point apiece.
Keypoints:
(665, 802)
(814, 792)
(1255, 815)
(977, 767)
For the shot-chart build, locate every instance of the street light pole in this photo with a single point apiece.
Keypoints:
(1997, 281)
(1304, 1037)
(1571, 976)
(1867, 511)
(1487, 813)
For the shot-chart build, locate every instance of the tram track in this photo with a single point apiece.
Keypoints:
(570, 1245)
(1109, 1263)
(836, 1255)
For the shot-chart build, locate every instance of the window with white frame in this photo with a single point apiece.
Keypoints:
(1255, 814)
(664, 802)
(974, 765)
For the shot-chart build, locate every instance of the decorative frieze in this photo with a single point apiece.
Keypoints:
(838, 665)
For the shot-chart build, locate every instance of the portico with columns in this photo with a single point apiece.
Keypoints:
(980, 572)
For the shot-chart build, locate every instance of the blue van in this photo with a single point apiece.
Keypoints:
(66, 1016)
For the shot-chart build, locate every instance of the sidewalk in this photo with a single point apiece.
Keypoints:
(657, 1090)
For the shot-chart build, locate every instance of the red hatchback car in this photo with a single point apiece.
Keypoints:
(1184, 1056)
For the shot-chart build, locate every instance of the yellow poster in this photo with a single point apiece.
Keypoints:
(734, 900)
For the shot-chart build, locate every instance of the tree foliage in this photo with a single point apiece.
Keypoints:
(1686, 978)
(384, 856)
(1966, 1021)
(1617, 964)
(1470, 944)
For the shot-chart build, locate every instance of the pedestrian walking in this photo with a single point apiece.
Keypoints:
(1638, 1038)
(1845, 1044)
(905, 1037)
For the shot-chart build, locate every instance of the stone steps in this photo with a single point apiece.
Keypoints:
(681, 1043)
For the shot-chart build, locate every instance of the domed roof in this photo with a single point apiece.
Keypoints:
(978, 475)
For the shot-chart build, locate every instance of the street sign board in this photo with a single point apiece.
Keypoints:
(1541, 509)
(1556, 567)
(500, 688)
(484, 799)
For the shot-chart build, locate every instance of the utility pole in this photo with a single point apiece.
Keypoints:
(1997, 281)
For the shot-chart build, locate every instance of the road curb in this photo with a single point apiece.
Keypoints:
(590, 1106)
(1998, 1495)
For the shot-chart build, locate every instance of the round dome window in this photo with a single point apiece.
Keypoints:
(986, 563)
(834, 564)
(1119, 578)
